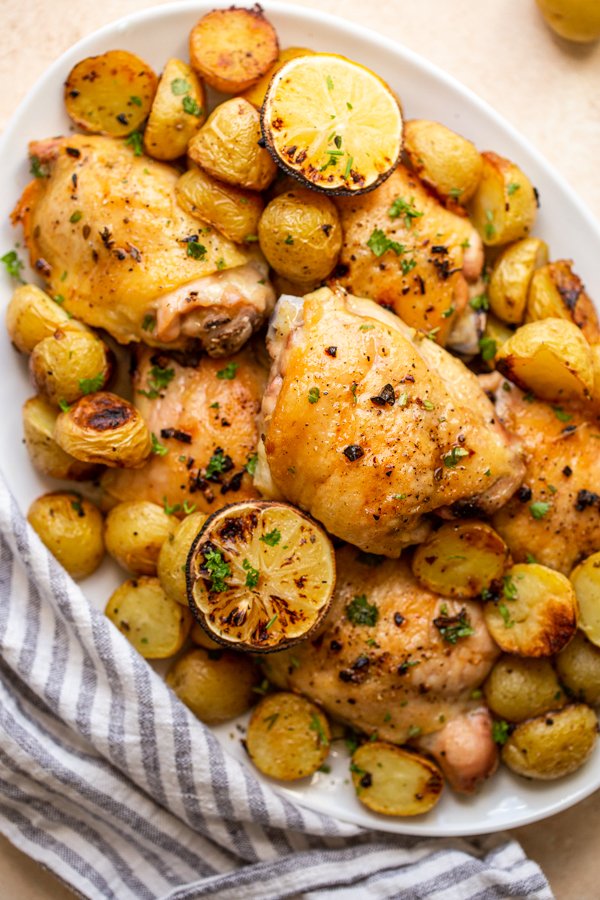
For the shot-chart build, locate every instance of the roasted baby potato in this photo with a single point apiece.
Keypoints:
(300, 235)
(551, 358)
(71, 528)
(578, 667)
(552, 745)
(155, 625)
(178, 111)
(536, 614)
(110, 94)
(393, 781)
(231, 210)
(135, 532)
(585, 578)
(288, 737)
(39, 419)
(32, 316)
(201, 639)
(504, 206)
(232, 48)
(557, 292)
(173, 557)
(70, 364)
(511, 276)
(256, 94)
(104, 429)
(444, 160)
(519, 688)
(460, 559)
(216, 685)
(227, 147)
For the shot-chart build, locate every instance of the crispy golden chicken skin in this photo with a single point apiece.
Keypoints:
(105, 231)
(370, 428)
(203, 418)
(555, 515)
(382, 664)
(431, 253)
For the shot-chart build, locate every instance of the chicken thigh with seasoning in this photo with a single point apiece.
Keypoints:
(202, 414)
(555, 514)
(405, 250)
(396, 660)
(105, 231)
(370, 427)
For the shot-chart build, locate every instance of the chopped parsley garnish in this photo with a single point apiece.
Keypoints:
(427, 404)
(407, 265)
(366, 328)
(512, 188)
(271, 538)
(191, 106)
(349, 105)
(414, 731)
(221, 265)
(317, 725)
(136, 141)
(91, 385)
(188, 507)
(487, 348)
(509, 588)
(148, 323)
(196, 250)
(455, 193)
(360, 612)
(219, 462)
(500, 732)
(158, 380)
(180, 86)
(251, 574)
(289, 240)
(228, 373)
(348, 168)
(448, 312)
(530, 558)
(451, 459)
(64, 406)
(251, 463)
(75, 217)
(506, 618)
(171, 510)
(58, 298)
(539, 509)
(271, 720)
(479, 302)
(407, 209)
(38, 169)
(12, 264)
(338, 141)
(452, 628)
(218, 570)
(313, 395)
(157, 447)
(137, 101)
(329, 83)
(489, 228)
(561, 415)
(76, 505)
(379, 244)
(251, 238)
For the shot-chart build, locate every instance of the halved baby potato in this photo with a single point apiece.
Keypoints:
(550, 357)
(178, 111)
(394, 781)
(578, 667)
(504, 206)
(557, 292)
(215, 685)
(443, 159)
(153, 623)
(173, 557)
(511, 278)
(71, 527)
(32, 315)
(256, 94)
(288, 737)
(39, 419)
(135, 532)
(537, 613)
(110, 94)
(232, 48)
(231, 210)
(585, 578)
(104, 429)
(460, 559)
(70, 364)
(519, 688)
(552, 745)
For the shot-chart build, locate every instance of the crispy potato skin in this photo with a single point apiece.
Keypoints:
(67, 364)
(585, 578)
(178, 111)
(432, 290)
(216, 686)
(518, 688)
(557, 292)
(512, 276)
(504, 206)
(288, 737)
(232, 48)
(443, 159)
(71, 528)
(39, 419)
(558, 451)
(172, 560)
(155, 625)
(578, 667)
(134, 534)
(32, 316)
(552, 745)
(231, 210)
(394, 782)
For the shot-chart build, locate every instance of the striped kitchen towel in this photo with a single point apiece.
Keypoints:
(109, 781)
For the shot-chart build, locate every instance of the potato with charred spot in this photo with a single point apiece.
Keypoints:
(71, 527)
(215, 685)
(70, 364)
(39, 419)
(227, 147)
(32, 315)
(557, 292)
(553, 745)
(135, 533)
(173, 557)
(394, 781)
(231, 210)
(518, 688)
(154, 624)
(104, 429)
(443, 159)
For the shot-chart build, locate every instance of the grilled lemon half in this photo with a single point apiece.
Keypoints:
(260, 575)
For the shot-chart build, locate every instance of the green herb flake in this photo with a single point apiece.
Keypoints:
(500, 732)
(539, 509)
(509, 588)
(487, 348)
(448, 312)
(427, 404)
(64, 406)
(407, 265)
(75, 217)
(251, 463)
(271, 538)
(228, 373)
(148, 323)
(271, 720)
(91, 385)
(406, 209)
(387, 717)
(360, 612)
(338, 141)
(251, 574)
(455, 193)
(137, 101)
(180, 86)
(413, 731)
(58, 298)
(158, 380)
(366, 328)
(329, 83)
(512, 188)
(217, 569)
(452, 628)
(348, 169)
(13, 265)
(136, 142)
(158, 448)
(169, 509)
(196, 250)
(37, 168)
(530, 558)
(220, 264)
(317, 726)
(479, 302)
(452, 457)
(561, 415)
(219, 462)
(489, 228)
(476, 694)
(188, 507)
(506, 617)
(271, 622)
(191, 107)
(379, 244)
(324, 768)
(313, 395)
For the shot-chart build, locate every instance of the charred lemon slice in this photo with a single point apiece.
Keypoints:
(260, 575)
(332, 123)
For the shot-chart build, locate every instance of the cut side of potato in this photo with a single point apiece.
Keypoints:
(215, 685)
(393, 781)
(578, 666)
(178, 111)
(332, 123)
(173, 557)
(256, 94)
(39, 419)
(260, 575)
(504, 206)
(518, 688)
(71, 527)
(553, 745)
(585, 578)
(551, 358)
(153, 623)
(110, 94)
(461, 559)
(536, 614)
(135, 532)
(557, 292)
(444, 160)
(288, 737)
(232, 48)
(32, 315)
(231, 210)
(70, 364)
(511, 278)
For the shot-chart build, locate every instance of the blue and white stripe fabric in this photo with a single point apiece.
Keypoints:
(109, 781)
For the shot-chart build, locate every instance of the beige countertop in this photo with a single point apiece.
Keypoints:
(548, 89)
